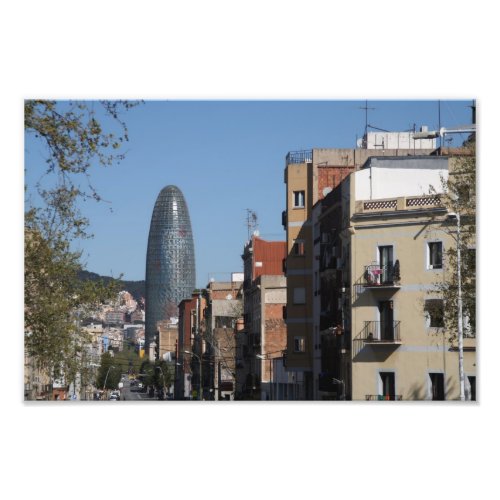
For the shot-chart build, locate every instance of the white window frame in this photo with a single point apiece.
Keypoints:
(299, 344)
(299, 199)
(428, 260)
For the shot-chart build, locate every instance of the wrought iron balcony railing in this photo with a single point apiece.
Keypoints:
(383, 397)
(382, 276)
(381, 332)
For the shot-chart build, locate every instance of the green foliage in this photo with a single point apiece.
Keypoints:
(128, 359)
(55, 298)
(109, 374)
(460, 198)
(158, 374)
(136, 288)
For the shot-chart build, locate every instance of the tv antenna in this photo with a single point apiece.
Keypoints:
(251, 220)
(366, 108)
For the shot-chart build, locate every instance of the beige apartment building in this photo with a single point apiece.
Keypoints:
(394, 241)
(310, 176)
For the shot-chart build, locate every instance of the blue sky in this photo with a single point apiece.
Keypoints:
(225, 156)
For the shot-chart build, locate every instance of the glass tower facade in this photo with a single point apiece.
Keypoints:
(170, 265)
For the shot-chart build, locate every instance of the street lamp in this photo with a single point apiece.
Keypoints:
(337, 381)
(106, 378)
(456, 215)
(201, 379)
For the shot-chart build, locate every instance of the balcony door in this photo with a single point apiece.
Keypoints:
(385, 256)
(388, 384)
(386, 312)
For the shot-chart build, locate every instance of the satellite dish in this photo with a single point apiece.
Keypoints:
(327, 190)
(229, 296)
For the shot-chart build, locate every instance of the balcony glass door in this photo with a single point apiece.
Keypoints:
(388, 384)
(386, 311)
(385, 261)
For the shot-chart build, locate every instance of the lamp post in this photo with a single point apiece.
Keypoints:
(106, 378)
(201, 378)
(337, 381)
(456, 215)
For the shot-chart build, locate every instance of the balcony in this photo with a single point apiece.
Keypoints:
(383, 397)
(304, 156)
(381, 332)
(382, 277)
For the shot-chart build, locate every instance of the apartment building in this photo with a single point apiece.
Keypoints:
(223, 311)
(167, 334)
(189, 346)
(391, 250)
(311, 175)
(261, 343)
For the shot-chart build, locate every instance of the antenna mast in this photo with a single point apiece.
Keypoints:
(251, 221)
(366, 108)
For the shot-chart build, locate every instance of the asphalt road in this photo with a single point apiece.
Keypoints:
(132, 395)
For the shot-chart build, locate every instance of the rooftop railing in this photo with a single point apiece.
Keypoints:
(304, 156)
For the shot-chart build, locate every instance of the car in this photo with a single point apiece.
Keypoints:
(113, 397)
(140, 385)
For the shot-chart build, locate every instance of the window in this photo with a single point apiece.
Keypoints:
(299, 344)
(437, 386)
(472, 388)
(435, 312)
(299, 295)
(388, 385)
(386, 262)
(435, 255)
(299, 198)
(298, 247)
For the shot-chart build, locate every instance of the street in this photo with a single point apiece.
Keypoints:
(132, 394)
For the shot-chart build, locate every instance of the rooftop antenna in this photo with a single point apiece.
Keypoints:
(252, 223)
(439, 124)
(366, 108)
(473, 108)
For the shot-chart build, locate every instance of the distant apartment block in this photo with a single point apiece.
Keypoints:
(262, 343)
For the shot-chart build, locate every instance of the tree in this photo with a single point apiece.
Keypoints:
(460, 198)
(109, 374)
(73, 140)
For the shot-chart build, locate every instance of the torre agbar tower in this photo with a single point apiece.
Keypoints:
(170, 266)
